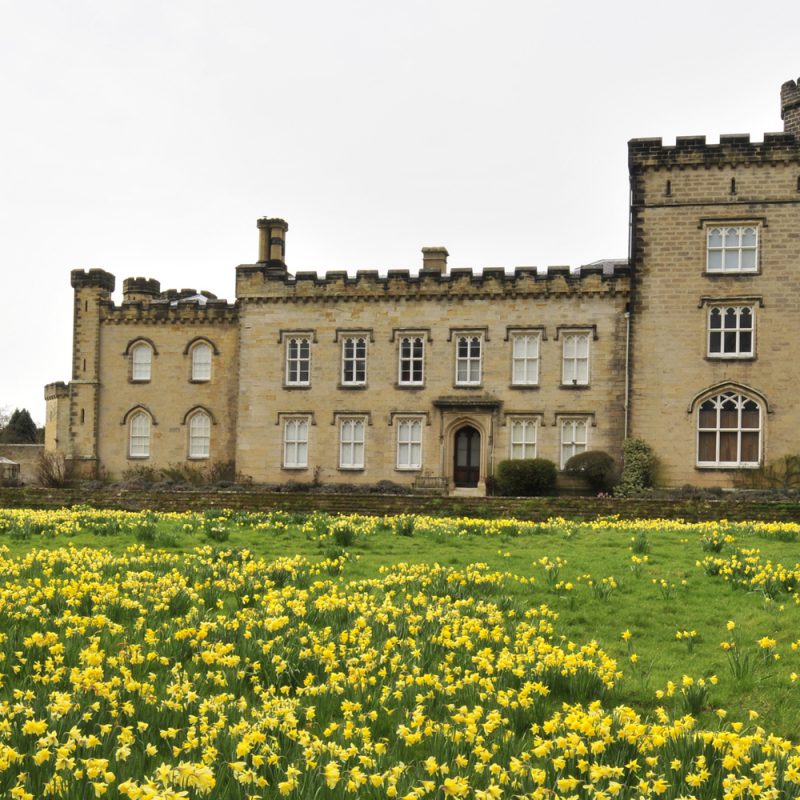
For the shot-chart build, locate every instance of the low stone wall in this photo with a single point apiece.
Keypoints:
(27, 456)
(536, 508)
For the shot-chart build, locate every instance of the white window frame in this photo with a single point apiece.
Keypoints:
(201, 367)
(352, 442)
(409, 442)
(139, 427)
(574, 364)
(729, 252)
(523, 437)
(295, 442)
(469, 364)
(296, 361)
(524, 363)
(141, 362)
(411, 362)
(199, 435)
(737, 332)
(739, 400)
(352, 362)
(570, 440)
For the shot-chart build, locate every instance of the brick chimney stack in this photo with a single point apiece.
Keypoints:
(434, 259)
(790, 107)
(272, 242)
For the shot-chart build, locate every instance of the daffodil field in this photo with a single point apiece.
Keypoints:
(233, 655)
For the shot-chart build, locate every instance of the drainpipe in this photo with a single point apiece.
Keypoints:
(627, 370)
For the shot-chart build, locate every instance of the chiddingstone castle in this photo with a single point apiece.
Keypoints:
(438, 375)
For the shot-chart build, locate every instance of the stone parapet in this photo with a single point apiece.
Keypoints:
(693, 151)
(253, 283)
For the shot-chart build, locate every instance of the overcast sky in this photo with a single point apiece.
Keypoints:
(146, 138)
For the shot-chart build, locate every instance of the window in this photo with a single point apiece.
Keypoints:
(141, 360)
(351, 443)
(468, 360)
(525, 360)
(732, 249)
(200, 435)
(575, 370)
(295, 443)
(409, 443)
(523, 438)
(574, 434)
(298, 361)
(730, 331)
(201, 362)
(354, 361)
(412, 360)
(729, 431)
(139, 444)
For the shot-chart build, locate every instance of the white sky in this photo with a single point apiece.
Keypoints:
(147, 137)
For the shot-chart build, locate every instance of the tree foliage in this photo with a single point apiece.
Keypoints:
(20, 429)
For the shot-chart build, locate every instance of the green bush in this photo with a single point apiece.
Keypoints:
(596, 466)
(638, 468)
(525, 477)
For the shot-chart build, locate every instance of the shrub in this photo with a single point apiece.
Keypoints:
(596, 466)
(525, 477)
(638, 470)
(52, 471)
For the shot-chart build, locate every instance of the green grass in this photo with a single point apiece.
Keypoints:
(692, 600)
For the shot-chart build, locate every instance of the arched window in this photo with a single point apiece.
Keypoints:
(201, 362)
(141, 360)
(139, 435)
(729, 431)
(200, 435)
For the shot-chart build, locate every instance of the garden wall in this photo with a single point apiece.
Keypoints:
(538, 508)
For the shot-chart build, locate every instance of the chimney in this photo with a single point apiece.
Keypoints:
(272, 243)
(434, 259)
(790, 107)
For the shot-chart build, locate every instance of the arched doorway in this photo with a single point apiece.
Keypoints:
(467, 457)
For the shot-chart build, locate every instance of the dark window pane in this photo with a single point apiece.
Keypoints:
(729, 345)
(750, 447)
(746, 342)
(751, 418)
(728, 446)
(715, 319)
(730, 317)
(728, 418)
(715, 342)
(708, 416)
(707, 446)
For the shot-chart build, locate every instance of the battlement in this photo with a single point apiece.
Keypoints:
(52, 391)
(136, 289)
(99, 278)
(733, 149)
(169, 309)
(607, 277)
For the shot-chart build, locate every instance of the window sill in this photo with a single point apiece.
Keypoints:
(198, 458)
(408, 469)
(352, 469)
(399, 385)
(737, 274)
(140, 380)
(468, 386)
(575, 386)
(351, 386)
(730, 358)
(138, 458)
(525, 387)
(291, 387)
(298, 468)
(726, 467)
(199, 380)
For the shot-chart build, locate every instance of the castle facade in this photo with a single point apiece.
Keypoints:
(433, 377)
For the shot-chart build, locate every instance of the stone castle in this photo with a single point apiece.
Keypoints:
(433, 377)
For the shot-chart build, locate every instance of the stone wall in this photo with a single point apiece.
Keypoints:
(27, 456)
(538, 508)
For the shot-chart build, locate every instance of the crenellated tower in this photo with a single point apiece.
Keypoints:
(92, 288)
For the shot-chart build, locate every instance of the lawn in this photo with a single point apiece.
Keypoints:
(263, 655)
